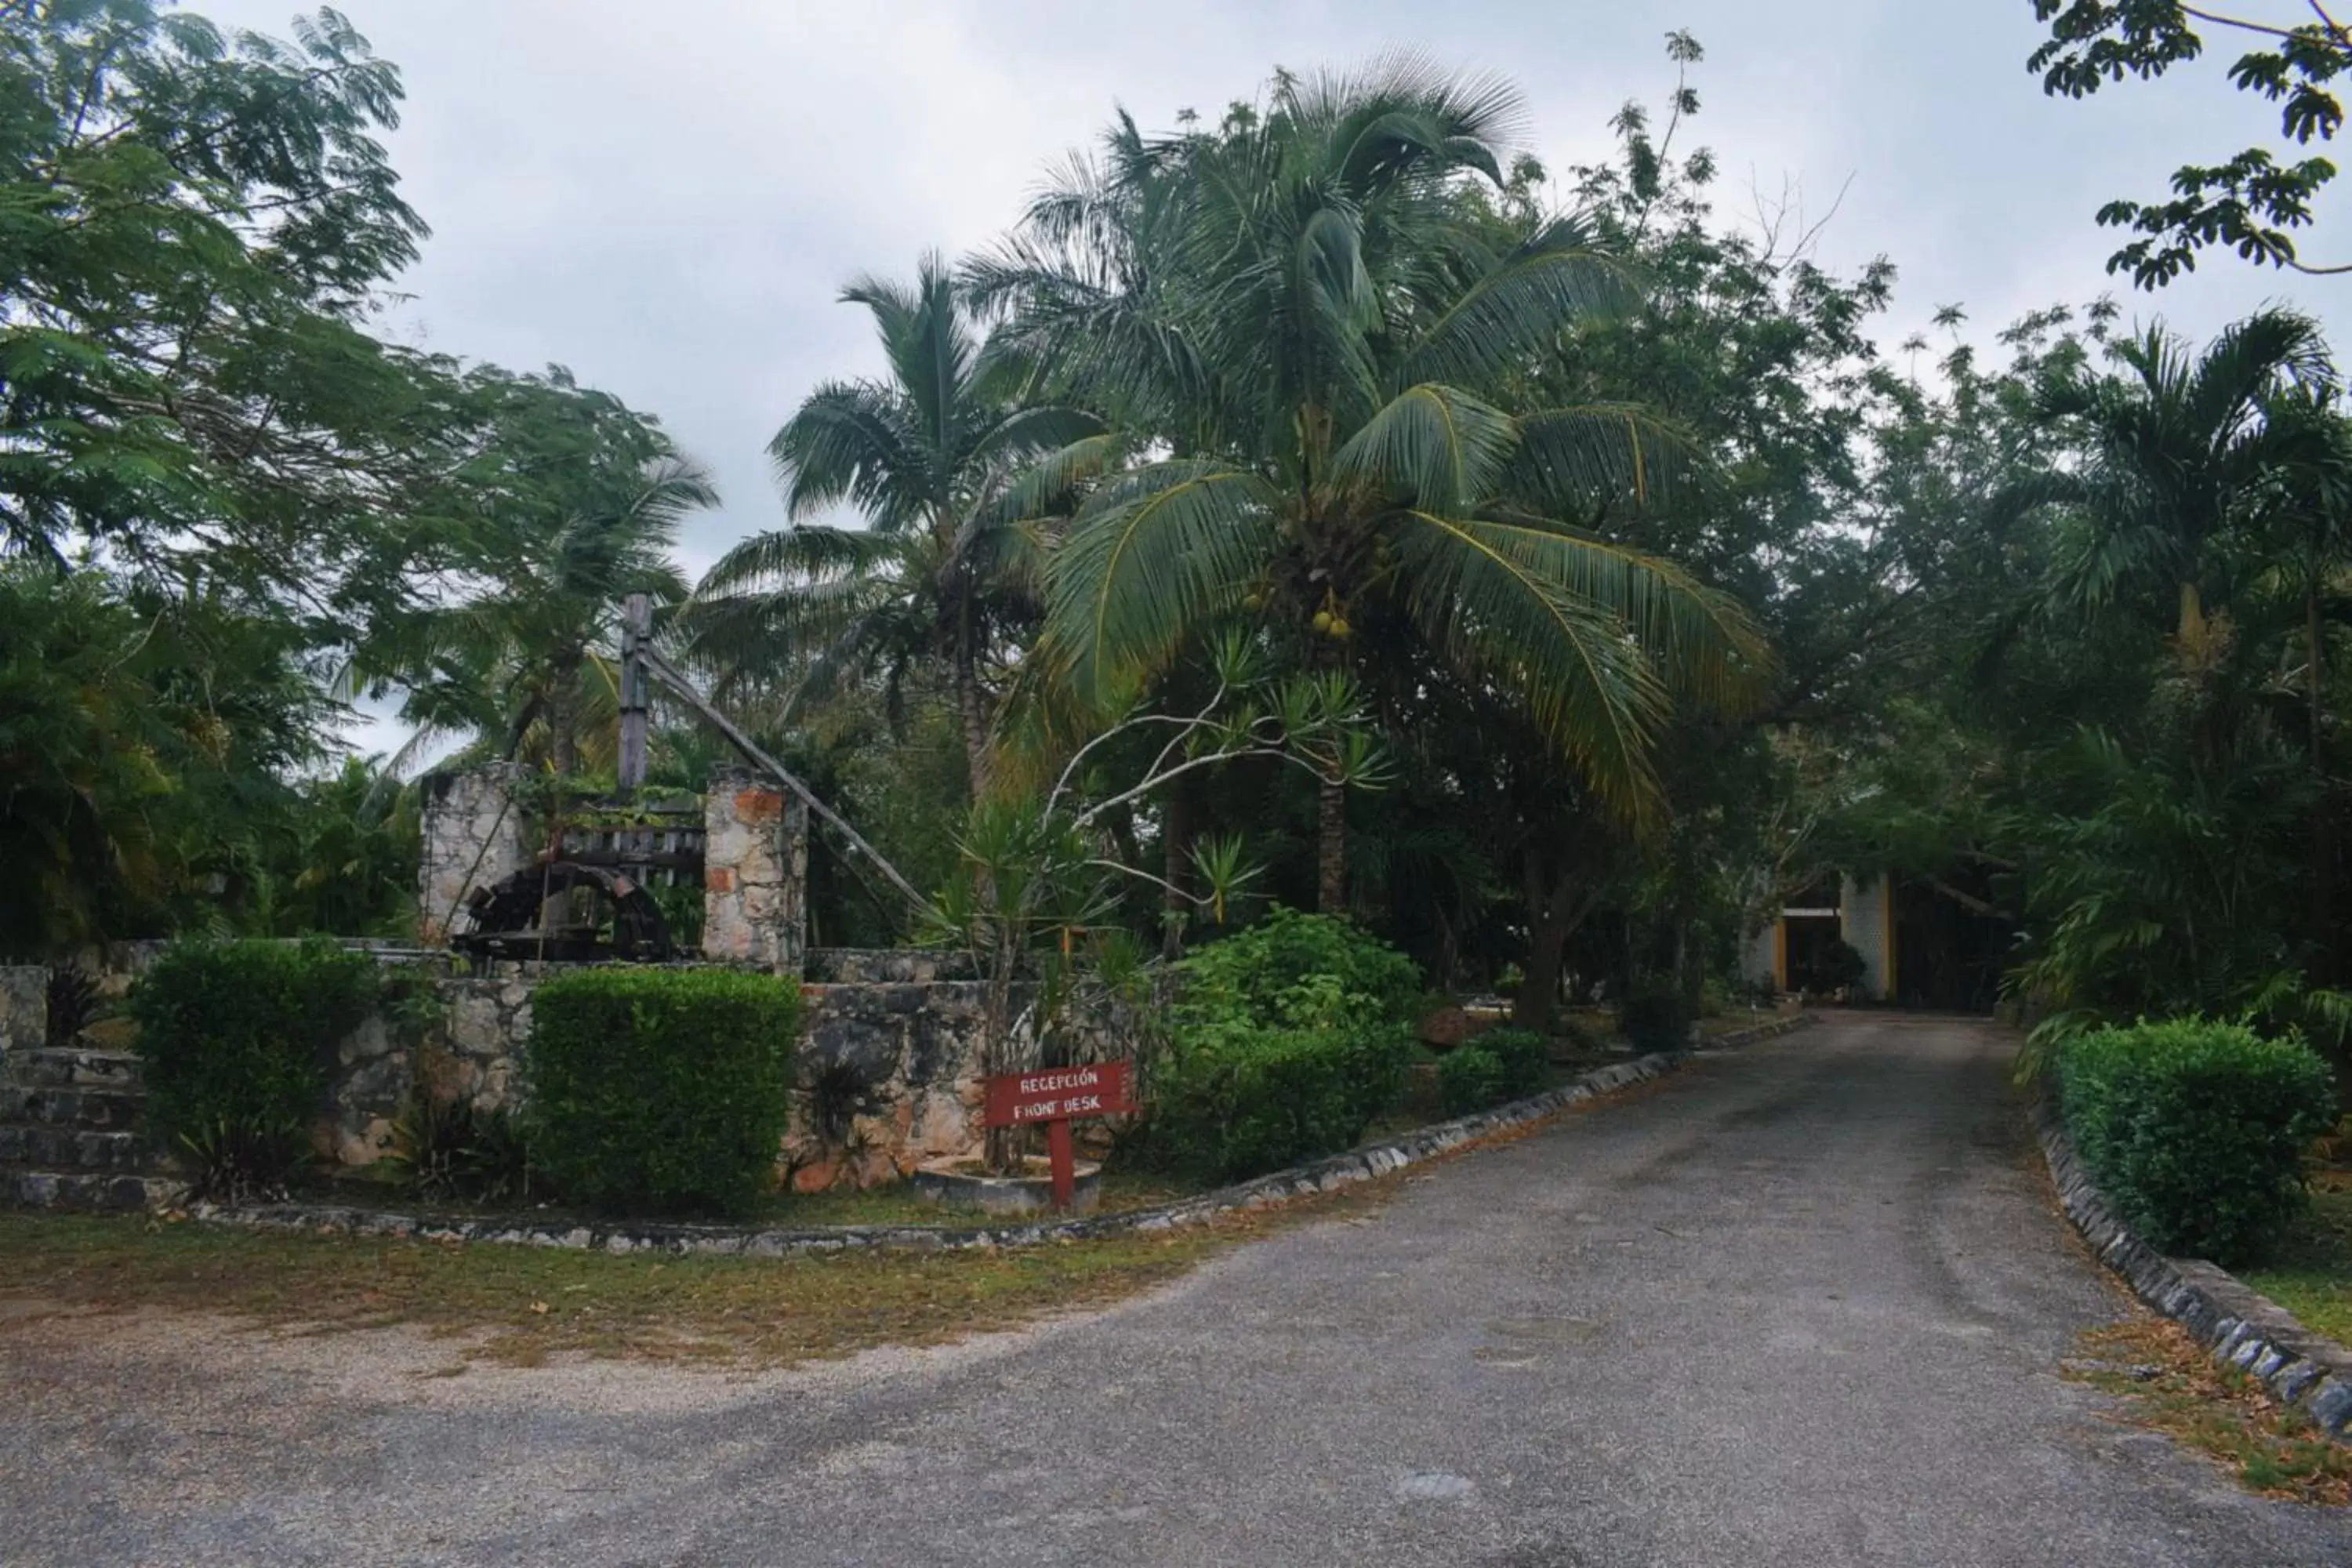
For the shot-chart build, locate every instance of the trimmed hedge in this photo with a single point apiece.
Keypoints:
(656, 1090)
(1471, 1078)
(2196, 1130)
(1525, 1058)
(236, 1040)
(1241, 1099)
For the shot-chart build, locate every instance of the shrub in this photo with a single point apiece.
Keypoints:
(1471, 1078)
(450, 1150)
(236, 1040)
(2196, 1130)
(1294, 971)
(1289, 1038)
(661, 1091)
(1238, 1100)
(1654, 1016)
(1525, 1056)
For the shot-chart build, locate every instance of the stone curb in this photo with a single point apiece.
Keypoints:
(1261, 1192)
(2238, 1324)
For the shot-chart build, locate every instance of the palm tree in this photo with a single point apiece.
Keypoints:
(516, 665)
(945, 570)
(2175, 452)
(1318, 323)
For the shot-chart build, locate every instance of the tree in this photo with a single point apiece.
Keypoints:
(2175, 452)
(571, 503)
(944, 569)
(1307, 321)
(2252, 203)
(197, 223)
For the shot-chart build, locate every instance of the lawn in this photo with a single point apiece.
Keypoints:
(2311, 1276)
(520, 1305)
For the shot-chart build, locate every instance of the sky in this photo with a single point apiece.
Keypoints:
(668, 196)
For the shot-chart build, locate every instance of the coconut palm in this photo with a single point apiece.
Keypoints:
(944, 570)
(1319, 322)
(515, 665)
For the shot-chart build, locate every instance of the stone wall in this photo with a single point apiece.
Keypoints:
(888, 1073)
(474, 835)
(754, 873)
(24, 1007)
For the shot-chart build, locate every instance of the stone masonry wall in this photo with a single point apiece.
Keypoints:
(474, 835)
(24, 1007)
(754, 873)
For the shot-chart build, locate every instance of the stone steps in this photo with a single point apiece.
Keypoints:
(72, 1149)
(84, 1190)
(71, 1068)
(100, 1110)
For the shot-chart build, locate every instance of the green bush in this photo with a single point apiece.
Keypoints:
(2196, 1130)
(661, 1091)
(1654, 1018)
(1471, 1078)
(236, 1040)
(1289, 1038)
(1525, 1055)
(1294, 971)
(1237, 1101)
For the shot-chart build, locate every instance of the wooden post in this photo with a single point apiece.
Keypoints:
(1064, 1154)
(637, 632)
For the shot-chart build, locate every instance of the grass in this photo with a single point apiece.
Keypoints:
(892, 1205)
(2169, 1385)
(2311, 1273)
(521, 1305)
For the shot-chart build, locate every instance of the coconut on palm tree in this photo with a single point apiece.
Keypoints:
(944, 570)
(1316, 327)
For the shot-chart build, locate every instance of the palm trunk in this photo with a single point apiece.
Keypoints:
(1331, 847)
(971, 708)
(2323, 846)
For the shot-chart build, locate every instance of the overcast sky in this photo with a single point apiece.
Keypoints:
(667, 196)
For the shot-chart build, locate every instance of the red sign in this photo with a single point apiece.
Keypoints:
(1054, 1095)
(1057, 1094)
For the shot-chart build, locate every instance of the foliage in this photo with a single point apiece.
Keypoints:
(236, 1040)
(449, 1150)
(661, 1091)
(1471, 1078)
(1525, 1055)
(1307, 327)
(1295, 970)
(2196, 1130)
(1236, 1099)
(940, 457)
(2251, 203)
(1655, 1016)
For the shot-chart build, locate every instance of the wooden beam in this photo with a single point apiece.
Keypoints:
(636, 640)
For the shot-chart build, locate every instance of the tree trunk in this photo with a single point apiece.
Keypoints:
(971, 707)
(1004, 1150)
(1331, 847)
(1538, 1006)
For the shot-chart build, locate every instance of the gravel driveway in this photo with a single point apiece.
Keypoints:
(1802, 1305)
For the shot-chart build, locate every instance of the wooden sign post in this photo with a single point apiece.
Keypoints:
(1054, 1095)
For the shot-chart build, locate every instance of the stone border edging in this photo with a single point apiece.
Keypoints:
(1323, 1175)
(2238, 1324)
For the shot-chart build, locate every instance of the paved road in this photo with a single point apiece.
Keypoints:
(1803, 1305)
